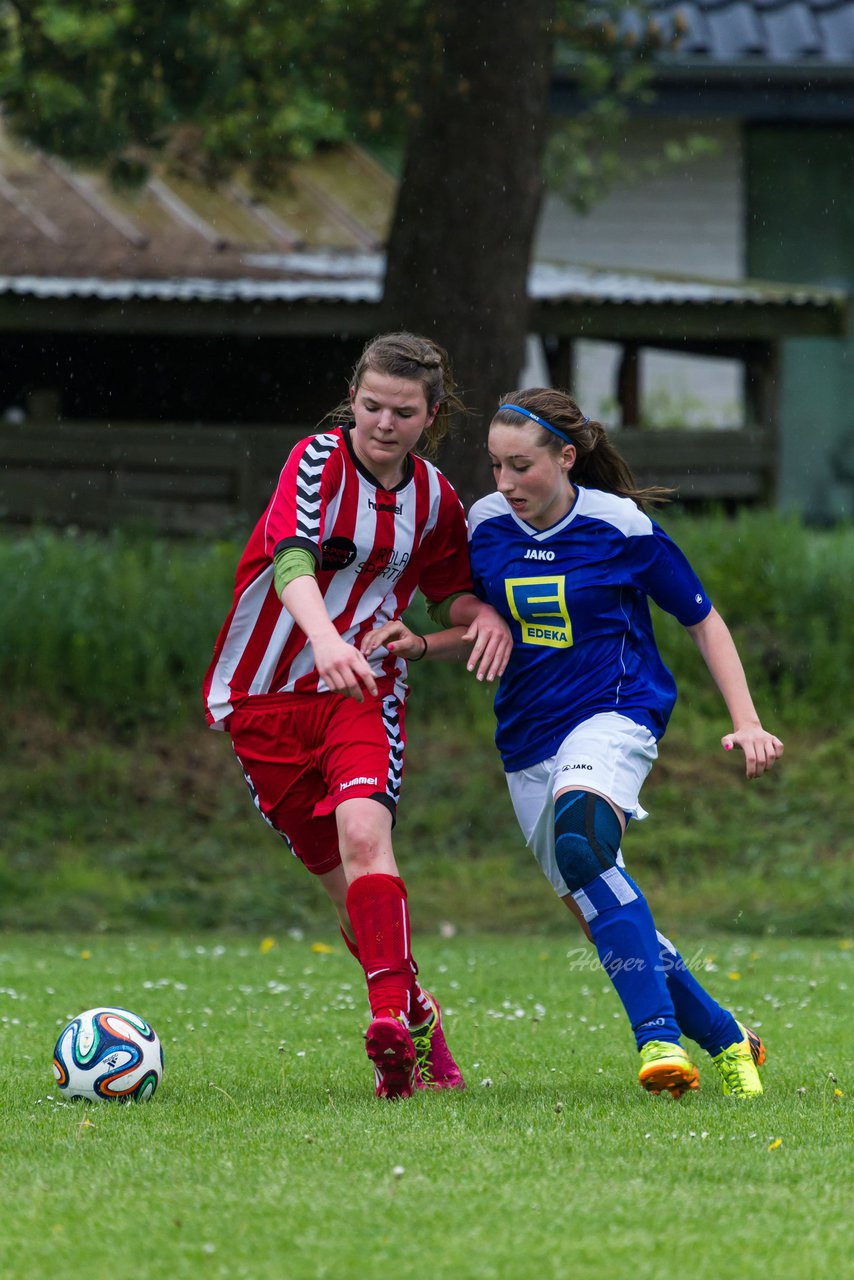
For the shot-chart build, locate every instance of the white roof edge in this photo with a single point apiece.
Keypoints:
(310, 277)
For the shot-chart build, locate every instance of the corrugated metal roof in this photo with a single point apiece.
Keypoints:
(739, 32)
(326, 277)
(578, 283)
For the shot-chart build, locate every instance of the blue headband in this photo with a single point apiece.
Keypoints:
(541, 422)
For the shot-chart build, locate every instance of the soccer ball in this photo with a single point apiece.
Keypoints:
(108, 1053)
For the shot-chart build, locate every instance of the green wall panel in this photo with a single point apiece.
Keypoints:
(800, 227)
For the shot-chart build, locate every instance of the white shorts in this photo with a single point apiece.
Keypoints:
(607, 753)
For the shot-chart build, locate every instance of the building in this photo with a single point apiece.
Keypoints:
(161, 347)
(768, 89)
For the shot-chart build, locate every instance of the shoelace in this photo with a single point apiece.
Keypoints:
(421, 1038)
(731, 1062)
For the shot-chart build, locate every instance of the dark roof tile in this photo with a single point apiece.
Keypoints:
(792, 33)
(837, 30)
(736, 32)
(729, 32)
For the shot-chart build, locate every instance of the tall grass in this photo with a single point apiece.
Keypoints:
(115, 799)
(119, 628)
(122, 627)
(787, 593)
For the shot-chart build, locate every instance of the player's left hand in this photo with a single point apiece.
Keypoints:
(761, 749)
(397, 637)
(491, 643)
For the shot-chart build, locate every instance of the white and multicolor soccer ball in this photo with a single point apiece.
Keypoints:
(108, 1053)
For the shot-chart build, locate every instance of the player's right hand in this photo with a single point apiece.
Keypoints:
(343, 668)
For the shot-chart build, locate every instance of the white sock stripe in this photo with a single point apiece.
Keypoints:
(619, 886)
(587, 908)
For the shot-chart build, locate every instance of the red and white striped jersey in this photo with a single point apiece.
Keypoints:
(373, 548)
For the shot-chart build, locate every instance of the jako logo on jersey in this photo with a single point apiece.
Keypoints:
(539, 605)
(385, 506)
(538, 555)
(358, 782)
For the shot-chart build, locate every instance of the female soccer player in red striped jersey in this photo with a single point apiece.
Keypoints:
(357, 523)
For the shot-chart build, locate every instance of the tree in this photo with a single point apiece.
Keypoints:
(463, 86)
(461, 238)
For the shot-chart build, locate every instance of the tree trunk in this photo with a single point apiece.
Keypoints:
(463, 228)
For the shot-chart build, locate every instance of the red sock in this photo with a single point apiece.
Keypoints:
(350, 945)
(376, 905)
(420, 1008)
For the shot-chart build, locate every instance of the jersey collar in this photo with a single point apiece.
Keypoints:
(408, 465)
(540, 535)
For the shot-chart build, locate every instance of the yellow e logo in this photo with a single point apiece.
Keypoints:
(539, 605)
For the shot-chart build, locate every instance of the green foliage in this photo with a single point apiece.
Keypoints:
(156, 827)
(120, 628)
(115, 798)
(124, 626)
(787, 593)
(215, 85)
(238, 84)
(264, 1154)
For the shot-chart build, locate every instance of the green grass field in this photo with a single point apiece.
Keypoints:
(264, 1153)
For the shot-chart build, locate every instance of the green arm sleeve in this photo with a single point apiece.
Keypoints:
(290, 563)
(440, 610)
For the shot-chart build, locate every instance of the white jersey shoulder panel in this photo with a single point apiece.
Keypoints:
(494, 504)
(621, 513)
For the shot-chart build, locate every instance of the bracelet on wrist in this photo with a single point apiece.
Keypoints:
(423, 651)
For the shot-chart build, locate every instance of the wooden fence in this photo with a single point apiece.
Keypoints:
(204, 479)
(171, 478)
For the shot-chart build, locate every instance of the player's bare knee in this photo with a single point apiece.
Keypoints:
(363, 852)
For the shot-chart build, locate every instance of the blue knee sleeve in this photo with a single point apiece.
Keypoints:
(587, 837)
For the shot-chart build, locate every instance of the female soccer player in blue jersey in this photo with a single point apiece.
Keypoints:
(564, 551)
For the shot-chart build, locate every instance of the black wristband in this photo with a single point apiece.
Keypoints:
(423, 651)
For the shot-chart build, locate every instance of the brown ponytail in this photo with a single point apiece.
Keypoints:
(598, 464)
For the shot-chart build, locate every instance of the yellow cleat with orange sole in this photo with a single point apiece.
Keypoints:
(665, 1065)
(737, 1065)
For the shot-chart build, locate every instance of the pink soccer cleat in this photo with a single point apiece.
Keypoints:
(435, 1066)
(392, 1053)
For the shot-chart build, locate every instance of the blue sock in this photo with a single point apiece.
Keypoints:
(700, 1017)
(625, 938)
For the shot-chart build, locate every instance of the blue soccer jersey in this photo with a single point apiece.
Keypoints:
(575, 597)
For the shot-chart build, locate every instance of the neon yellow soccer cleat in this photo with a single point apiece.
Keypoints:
(737, 1065)
(667, 1066)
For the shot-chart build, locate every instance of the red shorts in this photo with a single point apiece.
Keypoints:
(303, 753)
